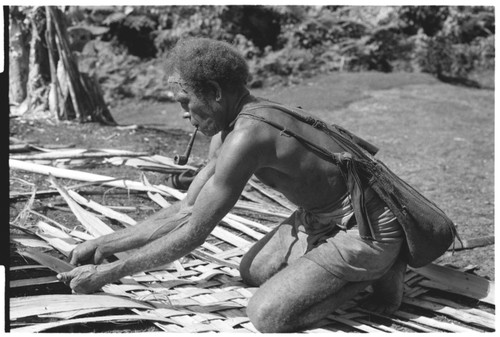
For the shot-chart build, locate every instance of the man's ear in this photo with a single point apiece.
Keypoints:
(217, 90)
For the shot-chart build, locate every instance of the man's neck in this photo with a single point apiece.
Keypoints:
(236, 105)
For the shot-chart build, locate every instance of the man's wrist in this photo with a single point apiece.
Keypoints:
(101, 240)
(103, 246)
(110, 272)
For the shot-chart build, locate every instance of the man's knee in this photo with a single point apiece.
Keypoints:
(255, 272)
(265, 316)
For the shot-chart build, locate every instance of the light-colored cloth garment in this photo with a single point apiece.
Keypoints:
(331, 239)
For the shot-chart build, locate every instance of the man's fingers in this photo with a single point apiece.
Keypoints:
(65, 277)
(98, 258)
(73, 258)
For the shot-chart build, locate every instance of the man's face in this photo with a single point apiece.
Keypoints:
(204, 111)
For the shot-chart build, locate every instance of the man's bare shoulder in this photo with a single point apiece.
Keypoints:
(254, 130)
(249, 133)
(246, 134)
(248, 141)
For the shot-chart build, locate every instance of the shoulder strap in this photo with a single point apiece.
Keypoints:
(332, 130)
(319, 150)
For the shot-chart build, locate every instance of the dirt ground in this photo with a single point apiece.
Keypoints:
(438, 137)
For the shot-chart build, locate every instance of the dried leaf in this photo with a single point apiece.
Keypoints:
(77, 154)
(93, 224)
(22, 217)
(108, 212)
(43, 304)
(90, 177)
(460, 283)
(47, 260)
(56, 238)
(156, 197)
(29, 241)
(112, 318)
(33, 282)
(270, 193)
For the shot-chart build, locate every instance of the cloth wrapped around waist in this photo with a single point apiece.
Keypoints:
(318, 224)
(332, 240)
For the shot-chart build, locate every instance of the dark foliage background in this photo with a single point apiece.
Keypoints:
(285, 44)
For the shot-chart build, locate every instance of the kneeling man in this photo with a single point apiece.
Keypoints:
(308, 265)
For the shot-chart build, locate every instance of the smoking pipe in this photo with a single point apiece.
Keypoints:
(183, 159)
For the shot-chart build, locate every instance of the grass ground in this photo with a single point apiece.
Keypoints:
(438, 137)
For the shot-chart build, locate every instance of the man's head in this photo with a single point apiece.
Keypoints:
(198, 61)
(210, 75)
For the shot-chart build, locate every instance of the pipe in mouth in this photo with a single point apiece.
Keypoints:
(183, 159)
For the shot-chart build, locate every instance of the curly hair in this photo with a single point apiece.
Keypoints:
(200, 60)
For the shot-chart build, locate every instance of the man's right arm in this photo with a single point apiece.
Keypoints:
(155, 226)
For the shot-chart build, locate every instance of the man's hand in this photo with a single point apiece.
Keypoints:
(88, 278)
(82, 279)
(87, 252)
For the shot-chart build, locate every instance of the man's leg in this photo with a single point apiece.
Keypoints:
(299, 296)
(300, 292)
(388, 290)
(272, 253)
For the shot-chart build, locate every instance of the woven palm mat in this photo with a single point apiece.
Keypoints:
(203, 292)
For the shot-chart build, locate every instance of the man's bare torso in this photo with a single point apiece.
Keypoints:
(286, 165)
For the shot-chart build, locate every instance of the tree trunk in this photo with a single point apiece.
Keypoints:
(18, 57)
(39, 76)
(46, 76)
(84, 94)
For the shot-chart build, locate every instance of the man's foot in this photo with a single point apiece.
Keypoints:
(388, 290)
